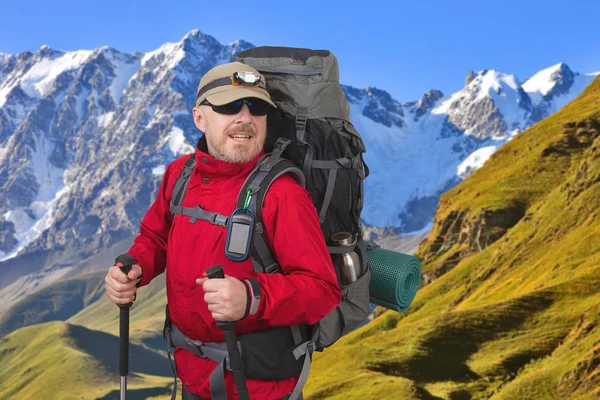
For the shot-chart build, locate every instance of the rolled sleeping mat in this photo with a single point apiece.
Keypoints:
(395, 278)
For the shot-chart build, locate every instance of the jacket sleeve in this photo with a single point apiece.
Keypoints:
(150, 246)
(307, 290)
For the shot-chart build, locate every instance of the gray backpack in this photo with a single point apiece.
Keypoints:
(314, 115)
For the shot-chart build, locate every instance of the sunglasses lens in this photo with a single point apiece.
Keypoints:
(230, 108)
(258, 107)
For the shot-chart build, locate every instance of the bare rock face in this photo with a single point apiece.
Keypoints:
(426, 103)
(477, 110)
(377, 104)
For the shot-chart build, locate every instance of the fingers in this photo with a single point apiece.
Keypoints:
(135, 272)
(221, 317)
(119, 288)
(120, 297)
(200, 281)
(117, 275)
(221, 313)
(225, 298)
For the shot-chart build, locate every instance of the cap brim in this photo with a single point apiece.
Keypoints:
(219, 98)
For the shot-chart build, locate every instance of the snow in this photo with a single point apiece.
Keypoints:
(81, 97)
(105, 119)
(159, 170)
(40, 78)
(541, 83)
(31, 221)
(177, 142)
(173, 53)
(581, 82)
(124, 72)
(503, 89)
(410, 163)
(474, 161)
(494, 82)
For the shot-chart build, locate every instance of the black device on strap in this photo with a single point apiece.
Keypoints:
(239, 234)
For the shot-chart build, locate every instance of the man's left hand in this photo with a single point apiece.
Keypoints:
(226, 298)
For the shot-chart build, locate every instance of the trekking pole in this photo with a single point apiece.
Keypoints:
(125, 262)
(228, 328)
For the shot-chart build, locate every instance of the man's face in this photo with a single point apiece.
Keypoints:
(235, 138)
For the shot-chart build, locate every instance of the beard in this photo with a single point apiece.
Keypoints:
(237, 153)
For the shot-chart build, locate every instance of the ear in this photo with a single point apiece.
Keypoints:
(199, 118)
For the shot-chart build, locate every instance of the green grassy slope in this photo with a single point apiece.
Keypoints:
(56, 360)
(147, 315)
(511, 309)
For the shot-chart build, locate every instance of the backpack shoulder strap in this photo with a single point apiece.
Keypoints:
(257, 184)
(181, 185)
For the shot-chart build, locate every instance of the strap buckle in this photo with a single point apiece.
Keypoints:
(265, 167)
(281, 143)
(218, 219)
(301, 119)
(194, 346)
(272, 268)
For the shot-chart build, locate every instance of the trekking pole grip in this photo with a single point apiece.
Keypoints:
(216, 272)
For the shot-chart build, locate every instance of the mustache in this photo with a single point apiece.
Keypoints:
(241, 128)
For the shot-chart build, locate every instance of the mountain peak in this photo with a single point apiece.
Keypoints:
(426, 103)
(382, 108)
(194, 33)
(550, 82)
(46, 51)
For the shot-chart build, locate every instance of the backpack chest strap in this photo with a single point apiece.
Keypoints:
(198, 212)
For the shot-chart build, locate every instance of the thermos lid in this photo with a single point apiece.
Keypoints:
(343, 239)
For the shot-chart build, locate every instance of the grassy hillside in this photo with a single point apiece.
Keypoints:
(56, 360)
(511, 309)
(147, 315)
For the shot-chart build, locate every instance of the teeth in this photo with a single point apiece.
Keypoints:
(240, 137)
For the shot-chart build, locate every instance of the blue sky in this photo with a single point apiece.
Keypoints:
(403, 47)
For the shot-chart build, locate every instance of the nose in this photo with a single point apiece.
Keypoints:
(244, 115)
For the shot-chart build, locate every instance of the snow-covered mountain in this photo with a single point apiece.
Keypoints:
(86, 135)
(421, 149)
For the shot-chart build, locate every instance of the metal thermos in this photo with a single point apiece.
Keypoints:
(349, 268)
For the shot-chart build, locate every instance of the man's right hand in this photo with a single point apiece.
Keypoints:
(120, 288)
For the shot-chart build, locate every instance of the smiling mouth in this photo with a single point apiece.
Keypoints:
(240, 137)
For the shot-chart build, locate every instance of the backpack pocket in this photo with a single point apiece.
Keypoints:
(348, 315)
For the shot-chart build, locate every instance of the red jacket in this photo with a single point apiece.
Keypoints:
(305, 292)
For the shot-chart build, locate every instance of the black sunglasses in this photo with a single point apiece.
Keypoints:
(257, 107)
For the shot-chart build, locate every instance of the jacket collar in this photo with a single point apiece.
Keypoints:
(207, 165)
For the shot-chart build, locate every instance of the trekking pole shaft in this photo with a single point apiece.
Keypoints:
(124, 339)
(125, 262)
(237, 365)
(123, 388)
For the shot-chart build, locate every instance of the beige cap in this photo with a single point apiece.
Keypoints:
(229, 82)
